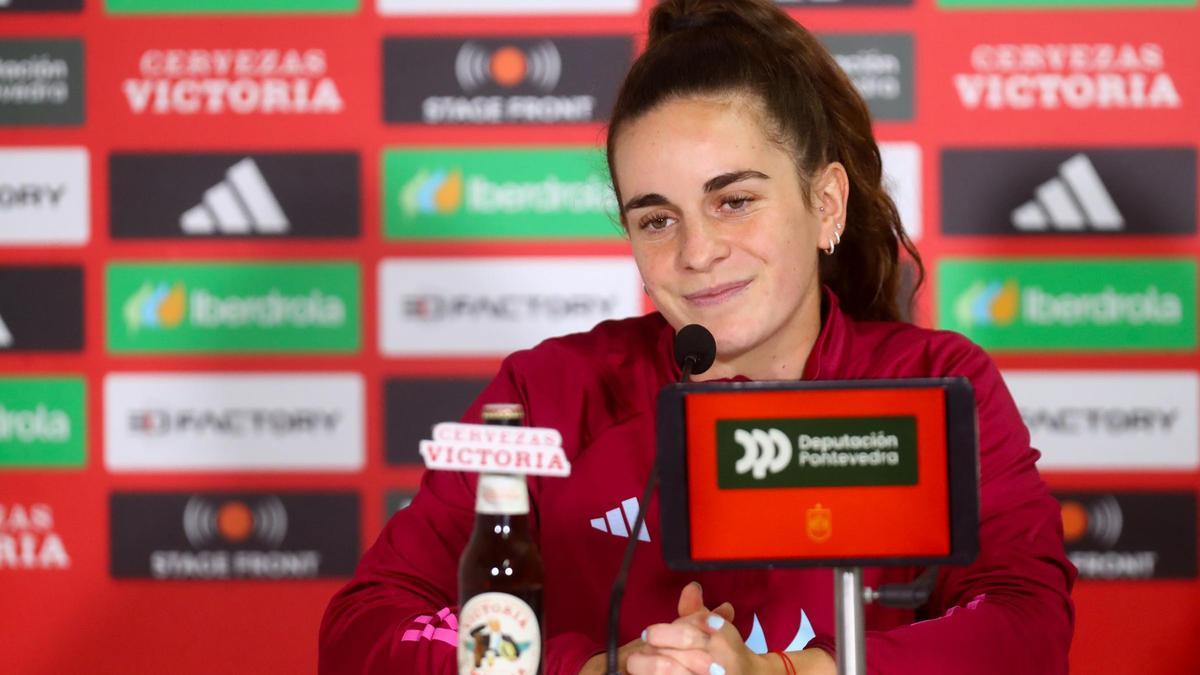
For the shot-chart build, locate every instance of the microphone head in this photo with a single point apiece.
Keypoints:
(694, 340)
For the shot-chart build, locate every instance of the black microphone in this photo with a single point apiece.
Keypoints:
(695, 351)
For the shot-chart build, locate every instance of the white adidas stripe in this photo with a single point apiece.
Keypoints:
(620, 521)
(1074, 201)
(6, 337)
(241, 204)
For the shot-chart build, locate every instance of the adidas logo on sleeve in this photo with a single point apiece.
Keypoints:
(619, 521)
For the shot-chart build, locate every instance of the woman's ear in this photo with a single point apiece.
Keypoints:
(832, 191)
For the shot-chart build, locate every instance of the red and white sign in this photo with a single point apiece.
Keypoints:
(486, 448)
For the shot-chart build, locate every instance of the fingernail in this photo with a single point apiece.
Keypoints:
(716, 669)
(644, 634)
(715, 622)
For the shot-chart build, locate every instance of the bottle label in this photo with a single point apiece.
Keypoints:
(498, 634)
(502, 495)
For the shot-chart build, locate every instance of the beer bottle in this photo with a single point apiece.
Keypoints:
(500, 575)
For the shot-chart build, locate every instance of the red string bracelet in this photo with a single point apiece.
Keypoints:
(788, 667)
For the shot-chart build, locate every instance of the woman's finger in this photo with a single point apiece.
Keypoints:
(725, 642)
(649, 661)
(685, 633)
(691, 599)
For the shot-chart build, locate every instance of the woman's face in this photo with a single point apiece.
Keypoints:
(719, 227)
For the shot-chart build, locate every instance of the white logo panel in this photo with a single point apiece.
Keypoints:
(902, 179)
(493, 306)
(44, 196)
(387, 7)
(225, 421)
(1112, 419)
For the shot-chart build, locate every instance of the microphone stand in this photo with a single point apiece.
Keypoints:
(618, 589)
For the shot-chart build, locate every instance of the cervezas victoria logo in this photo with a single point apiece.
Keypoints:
(496, 80)
(29, 539)
(1067, 76)
(201, 81)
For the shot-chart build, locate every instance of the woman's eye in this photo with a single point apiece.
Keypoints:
(736, 202)
(655, 222)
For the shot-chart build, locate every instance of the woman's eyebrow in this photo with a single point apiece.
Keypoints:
(713, 184)
(641, 201)
(729, 178)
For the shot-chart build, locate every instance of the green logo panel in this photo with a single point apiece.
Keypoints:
(229, 6)
(1048, 4)
(817, 452)
(42, 422)
(1070, 304)
(233, 307)
(515, 193)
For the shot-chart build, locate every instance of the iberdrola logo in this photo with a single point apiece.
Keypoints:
(989, 303)
(156, 306)
(432, 193)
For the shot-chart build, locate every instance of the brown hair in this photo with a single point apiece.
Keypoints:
(813, 110)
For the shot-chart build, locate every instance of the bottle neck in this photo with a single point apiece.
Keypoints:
(501, 494)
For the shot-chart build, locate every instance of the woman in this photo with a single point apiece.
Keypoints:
(749, 183)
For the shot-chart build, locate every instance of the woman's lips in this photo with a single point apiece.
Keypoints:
(715, 295)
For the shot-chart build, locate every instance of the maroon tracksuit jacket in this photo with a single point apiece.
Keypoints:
(1008, 612)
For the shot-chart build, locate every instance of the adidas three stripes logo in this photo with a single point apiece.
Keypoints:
(619, 521)
(1075, 200)
(241, 204)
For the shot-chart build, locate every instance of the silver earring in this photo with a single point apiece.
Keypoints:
(835, 239)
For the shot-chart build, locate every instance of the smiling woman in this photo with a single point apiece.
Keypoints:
(749, 184)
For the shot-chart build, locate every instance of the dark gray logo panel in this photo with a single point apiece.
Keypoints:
(245, 535)
(41, 6)
(881, 67)
(1069, 191)
(41, 308)
(41, 82)
(248, 195)
(499, 80)
(413, 406)
(1131, 535)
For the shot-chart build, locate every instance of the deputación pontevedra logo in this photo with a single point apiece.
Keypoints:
(41, 82)
(500, 80)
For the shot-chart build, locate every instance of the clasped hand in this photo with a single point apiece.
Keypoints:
(699, 642)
